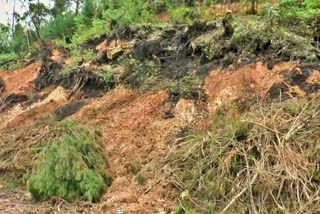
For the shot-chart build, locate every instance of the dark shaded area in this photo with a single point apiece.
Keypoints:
(295, 77)
(2, 85)
(102, 57)
(13, 99)
(68, 109)
(147, 49)
(82, 78)
(93, 42)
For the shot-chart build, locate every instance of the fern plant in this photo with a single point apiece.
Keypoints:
(71, 165)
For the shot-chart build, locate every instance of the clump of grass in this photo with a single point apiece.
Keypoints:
(140, 179)
(266, 161)
(70, 164)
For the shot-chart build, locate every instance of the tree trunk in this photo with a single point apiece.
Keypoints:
(253, 8)
(77, 6)
(13, 15)
(37, 26)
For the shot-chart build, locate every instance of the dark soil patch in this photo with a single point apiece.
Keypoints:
(83, 78)
(13, 99)
(68, 109)
(2, 85)
(300, 76)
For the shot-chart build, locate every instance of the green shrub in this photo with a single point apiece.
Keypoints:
(19, 41)
(60, 26)
(138, 12)
(107, 77)
(71, 165)
(297, 9)
(85, 31)
(7, 56)
(180, 14)
(140, 178)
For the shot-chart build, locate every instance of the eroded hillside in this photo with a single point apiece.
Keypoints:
(147, 91)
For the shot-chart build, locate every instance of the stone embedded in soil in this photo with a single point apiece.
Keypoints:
(185, 110)
(2, 85)
(68, 109)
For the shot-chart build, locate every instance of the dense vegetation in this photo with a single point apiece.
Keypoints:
(71, 165)
(67, 162)
(82, 19)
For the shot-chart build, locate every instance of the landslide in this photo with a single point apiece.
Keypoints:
(147, 88)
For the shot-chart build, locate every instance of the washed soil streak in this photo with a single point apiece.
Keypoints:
(135, 138)
(135, 134)
(248, 83)
(20, 80)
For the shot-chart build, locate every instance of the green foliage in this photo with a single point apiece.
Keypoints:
(19, 41)
(297, 9)
(138, 12)
(59, 27)
(71, 165)
(8, 56)
(140, 179)
(4, 38)
(60, 6)
(187, 87)
(85, 31)
(139, 75)
(180, 14)
(179, 209)
(108, 78)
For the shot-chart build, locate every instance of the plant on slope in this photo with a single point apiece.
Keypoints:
(266, 161)
(71, 165)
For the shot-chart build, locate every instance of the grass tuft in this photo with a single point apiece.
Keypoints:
(266, 161)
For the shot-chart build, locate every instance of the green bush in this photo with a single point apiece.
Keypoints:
(19, 41)
(71, 165)
(60, 26)
(107, 77)
(84, 31)
(138, 12)
(180, 14)
(297, 9)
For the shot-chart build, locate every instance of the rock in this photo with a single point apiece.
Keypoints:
(68, 109)
(102, 56)
(146, 49)
(185, 110)
(1, 85)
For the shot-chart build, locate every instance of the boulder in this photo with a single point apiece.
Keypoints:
(68, 109)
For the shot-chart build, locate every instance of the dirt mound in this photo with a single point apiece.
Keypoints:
(23, 116)
(244, 84)
(20, 80)
(132, 121)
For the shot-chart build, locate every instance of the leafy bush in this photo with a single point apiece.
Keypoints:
(60, 26)
(108, 78)
(296, 9)
(84, 31)
(19, 41)
(71, 165)
(180, 14)
(129, 12)
(7, 56)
